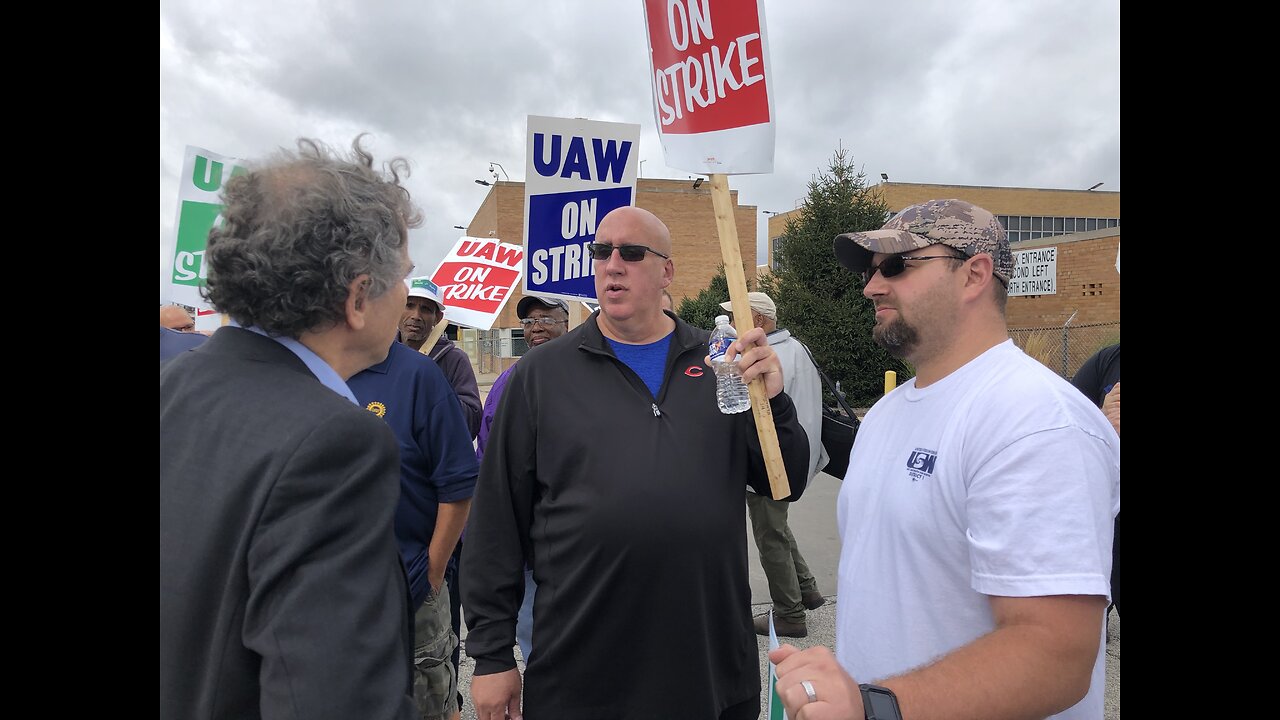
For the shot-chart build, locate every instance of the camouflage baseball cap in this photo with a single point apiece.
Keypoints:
(954, 223)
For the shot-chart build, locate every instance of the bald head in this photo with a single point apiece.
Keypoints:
(642, 226)
(175, 318)
(630, 290)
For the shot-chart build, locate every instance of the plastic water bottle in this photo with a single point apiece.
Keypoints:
(731, 394)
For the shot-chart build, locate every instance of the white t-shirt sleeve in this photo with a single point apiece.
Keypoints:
(1033, 510)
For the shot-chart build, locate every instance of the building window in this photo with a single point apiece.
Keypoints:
(1023, 227)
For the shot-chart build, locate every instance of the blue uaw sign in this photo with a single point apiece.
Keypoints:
(576, 171)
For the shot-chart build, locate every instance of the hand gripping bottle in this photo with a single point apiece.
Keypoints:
(731, 394)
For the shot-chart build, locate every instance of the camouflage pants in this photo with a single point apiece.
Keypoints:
(435, 684)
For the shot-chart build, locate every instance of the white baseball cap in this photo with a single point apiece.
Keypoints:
(759, 302)
(423, 287)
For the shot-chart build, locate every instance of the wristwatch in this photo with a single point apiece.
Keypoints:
(879, 703)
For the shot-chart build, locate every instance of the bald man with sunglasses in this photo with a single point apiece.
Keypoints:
(976, 515)
(612, 472)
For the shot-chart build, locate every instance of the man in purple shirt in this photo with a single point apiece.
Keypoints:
(543, 320)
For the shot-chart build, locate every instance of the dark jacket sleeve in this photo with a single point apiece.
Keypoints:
(457, 367)
(792, 441)
(327, 609)
(1089, 377)
(498, 542)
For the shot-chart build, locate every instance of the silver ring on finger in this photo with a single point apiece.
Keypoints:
(808, 690)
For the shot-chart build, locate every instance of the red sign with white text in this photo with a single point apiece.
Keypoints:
(483, 289)
(708, 64)
(476, 278)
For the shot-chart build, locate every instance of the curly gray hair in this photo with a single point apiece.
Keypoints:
(298, 229)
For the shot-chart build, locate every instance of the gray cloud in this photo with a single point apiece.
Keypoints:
(990, 92)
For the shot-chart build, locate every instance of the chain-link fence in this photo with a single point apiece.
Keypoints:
(485, 350)
(488, 347)
(1064, 348)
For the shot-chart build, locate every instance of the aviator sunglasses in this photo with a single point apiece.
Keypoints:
(630, 253)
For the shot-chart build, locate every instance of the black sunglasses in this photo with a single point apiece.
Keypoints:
(630, 253)
(895, 265)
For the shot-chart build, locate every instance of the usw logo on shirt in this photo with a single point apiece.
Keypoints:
(920, 463)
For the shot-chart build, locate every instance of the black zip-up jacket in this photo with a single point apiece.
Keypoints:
(630, 511)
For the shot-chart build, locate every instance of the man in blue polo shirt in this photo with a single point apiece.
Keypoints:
(438, 471)
(423, 311)
(172, 342)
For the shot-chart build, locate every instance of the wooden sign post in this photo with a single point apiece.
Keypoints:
(434, 337)
(722, 202)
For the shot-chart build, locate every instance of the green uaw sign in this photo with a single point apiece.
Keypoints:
(203, 174)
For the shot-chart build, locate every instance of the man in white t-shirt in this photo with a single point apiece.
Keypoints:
(976, 515)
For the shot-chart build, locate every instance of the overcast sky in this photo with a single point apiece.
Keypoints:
(976, 92)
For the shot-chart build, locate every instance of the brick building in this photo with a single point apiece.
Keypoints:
(1087, 282)
(695, 245)
(1082, 227)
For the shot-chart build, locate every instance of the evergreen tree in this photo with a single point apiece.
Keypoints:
(701, 310)
(819, 301)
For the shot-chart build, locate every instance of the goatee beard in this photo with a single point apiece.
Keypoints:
(897, 338)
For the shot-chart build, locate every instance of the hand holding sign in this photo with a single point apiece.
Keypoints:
(737, 280)
(710, 68)
(757, 360)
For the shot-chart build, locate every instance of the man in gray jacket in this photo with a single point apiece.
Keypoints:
(791, 585)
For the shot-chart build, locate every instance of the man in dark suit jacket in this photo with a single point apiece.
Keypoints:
(281, 589)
